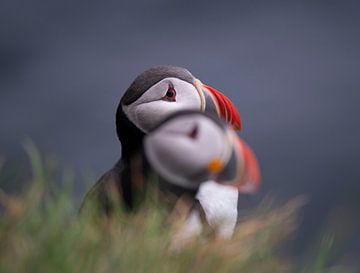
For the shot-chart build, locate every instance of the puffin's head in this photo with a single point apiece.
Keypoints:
(190, 147)
(163, 90)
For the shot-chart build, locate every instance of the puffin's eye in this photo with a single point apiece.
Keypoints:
(194, 132)
(170, 94)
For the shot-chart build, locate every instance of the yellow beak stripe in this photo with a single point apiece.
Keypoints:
(198, 86)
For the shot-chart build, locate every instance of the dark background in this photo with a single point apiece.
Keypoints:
(292, 68)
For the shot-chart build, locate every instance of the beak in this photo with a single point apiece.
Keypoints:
(250, 178)
(225, 108)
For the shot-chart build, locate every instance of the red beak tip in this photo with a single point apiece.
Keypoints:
(227, 109)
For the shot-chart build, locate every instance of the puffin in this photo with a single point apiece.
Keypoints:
(154, 95)
(190, 149)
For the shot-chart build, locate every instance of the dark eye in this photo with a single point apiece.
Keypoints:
(194, 132)
(170, 94)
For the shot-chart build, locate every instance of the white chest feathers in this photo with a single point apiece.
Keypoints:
(219, 203)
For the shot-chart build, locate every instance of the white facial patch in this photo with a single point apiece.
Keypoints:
(150, 109)
(177, 156)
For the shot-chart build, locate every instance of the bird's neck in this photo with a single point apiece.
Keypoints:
(130, 136)
(130, 148)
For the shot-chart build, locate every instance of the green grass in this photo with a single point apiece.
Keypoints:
(42, 231)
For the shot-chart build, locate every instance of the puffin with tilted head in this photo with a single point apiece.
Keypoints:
(190, 149)
(154, 95)
(159, 92)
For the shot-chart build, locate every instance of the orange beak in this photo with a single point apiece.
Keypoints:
(250, 178)
(226, 109)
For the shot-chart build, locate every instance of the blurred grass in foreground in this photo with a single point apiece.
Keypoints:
(41, 231)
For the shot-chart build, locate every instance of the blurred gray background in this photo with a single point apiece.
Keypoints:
(292, 68)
